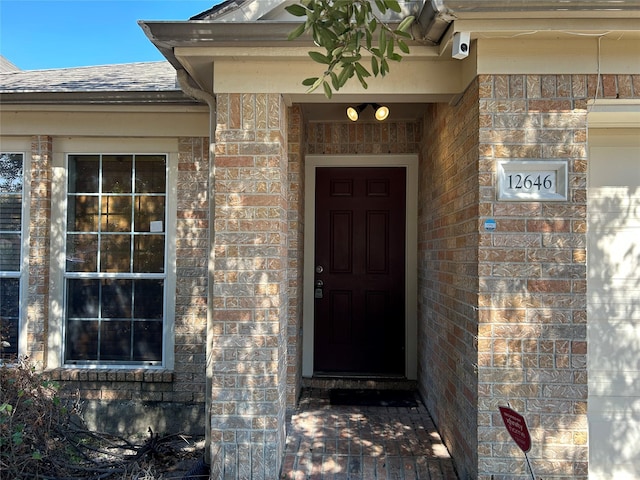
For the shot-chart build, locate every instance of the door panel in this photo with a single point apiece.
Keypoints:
(360, 262)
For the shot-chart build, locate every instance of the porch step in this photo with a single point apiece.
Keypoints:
(359, 383)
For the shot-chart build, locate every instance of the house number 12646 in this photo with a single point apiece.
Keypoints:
(532, 180)
(539, 181)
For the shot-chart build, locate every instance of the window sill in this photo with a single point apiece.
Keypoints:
(110, 375)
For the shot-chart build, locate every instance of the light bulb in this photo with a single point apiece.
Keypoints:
(382, 112)
(352, 113)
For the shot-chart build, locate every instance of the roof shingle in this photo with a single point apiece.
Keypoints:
(129, 77)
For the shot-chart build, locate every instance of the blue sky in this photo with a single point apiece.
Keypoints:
(41, 34)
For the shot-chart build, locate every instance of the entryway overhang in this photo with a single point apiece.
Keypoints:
(506, 37)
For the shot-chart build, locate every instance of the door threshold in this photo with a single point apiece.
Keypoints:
(350, 381)
(375, 376)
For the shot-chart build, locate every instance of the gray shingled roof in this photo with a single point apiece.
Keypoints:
(130, 77)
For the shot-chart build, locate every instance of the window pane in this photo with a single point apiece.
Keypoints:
(149, 209)
(116, 319)
(115, 340)
(83, 214)
(116, 214)
(116, 173)
(82, 340)
(149, 254)
(115, 253)
(83, 298)
(11, 212)
(10, 245)
(11, 174)
(116, 298)
(147, 337)
(150, 173)
(9, 316)
(82, 253)
(149, 299)
(84, 172)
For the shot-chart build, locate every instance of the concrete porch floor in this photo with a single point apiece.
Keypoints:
(325, 442)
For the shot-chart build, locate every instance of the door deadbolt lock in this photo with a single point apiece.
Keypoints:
(317, 292)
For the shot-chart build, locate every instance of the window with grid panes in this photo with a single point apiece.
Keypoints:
(11, 189)
(115, 259)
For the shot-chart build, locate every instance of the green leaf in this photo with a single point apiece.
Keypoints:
(390, 46)
(296, 10)
(373, 24)
(297, 32)
(345, 74)
(395, 57)
(36, 455)
(398, 33)
(334, 81)
(327, 90)
(381, 6)
(382, 40)
(374, 66)
(320, 58)
(362, 80)
(406, 23)
(355, 58)
(315, 85)
(309, 81)
(393, 5)
(361, 71)
(403, 46)
(384, 67)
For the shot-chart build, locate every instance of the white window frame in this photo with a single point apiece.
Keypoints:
(22, 147)
(64, 148)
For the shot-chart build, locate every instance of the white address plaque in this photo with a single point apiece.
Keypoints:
(532, 180)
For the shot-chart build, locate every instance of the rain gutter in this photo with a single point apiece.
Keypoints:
(436, 15)
(432, 23)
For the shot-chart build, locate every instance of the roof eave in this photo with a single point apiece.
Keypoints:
(96, 98)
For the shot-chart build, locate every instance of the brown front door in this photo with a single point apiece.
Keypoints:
(359, 275)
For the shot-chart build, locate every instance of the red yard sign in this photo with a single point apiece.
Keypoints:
(517, 428)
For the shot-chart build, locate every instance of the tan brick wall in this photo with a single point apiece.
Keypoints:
(362, 137)
(192, 256)
(532, 318)
(448, 275)
(250, 298)
(39, 235)
(295, 192)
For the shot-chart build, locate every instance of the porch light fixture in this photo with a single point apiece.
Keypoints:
(381, 111)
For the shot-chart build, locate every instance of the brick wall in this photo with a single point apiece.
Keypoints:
(295, 192)
(448, 275)
(532, 333)
(39, 234)
(250, 298)
(362, 137)
(526, 297)
(192, 257)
